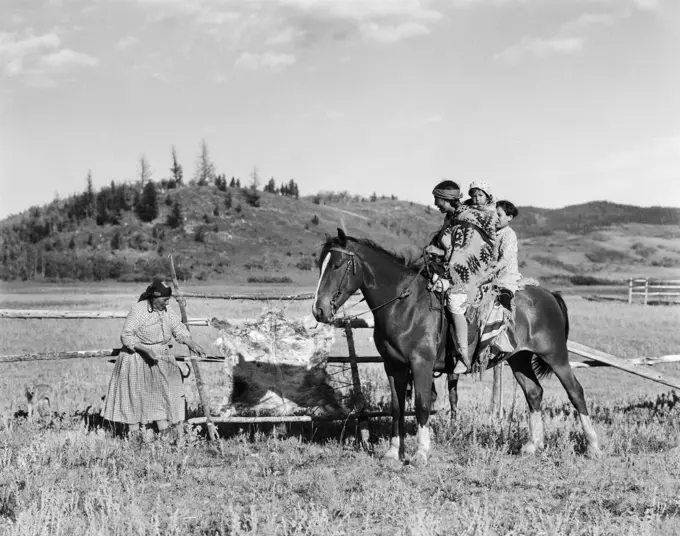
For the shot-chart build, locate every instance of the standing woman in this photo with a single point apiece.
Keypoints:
(146, 385)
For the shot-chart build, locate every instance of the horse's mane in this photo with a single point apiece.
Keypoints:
(404, 260)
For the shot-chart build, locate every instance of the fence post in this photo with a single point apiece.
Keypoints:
(646, 289)
(497, 392)
(357, 396)
(630, 291)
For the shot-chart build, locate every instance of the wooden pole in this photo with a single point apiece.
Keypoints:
(630, 291)
(623, 364)
(356, 381)
(497, 391)
(232, 296)
(359, 402)
(646, 289)
(300, 418)
(68, 315)
(202, 394)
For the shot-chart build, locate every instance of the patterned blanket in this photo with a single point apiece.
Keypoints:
(471, 232)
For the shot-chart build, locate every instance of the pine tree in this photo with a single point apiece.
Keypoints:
(90, 206)
(270, 186)
(175, 217)
(205, 169)
(147, 207)
(176, 169)
(144, 171)
(254, 178)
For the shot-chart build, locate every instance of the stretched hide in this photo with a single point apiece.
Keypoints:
(276, 366)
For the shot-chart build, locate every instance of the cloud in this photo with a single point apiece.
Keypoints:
(286, 36)
(540, 47)
(36, 59)
(126, 42)
(572, 36)
(391, 34)
(66, 58)
(293, 22)
(270, 61)
(15, 47)
(587, 20)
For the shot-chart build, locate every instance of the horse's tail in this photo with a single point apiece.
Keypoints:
(563, 307)
(540, 367)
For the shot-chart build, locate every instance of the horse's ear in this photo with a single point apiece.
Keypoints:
(328, 237)
(342, 236)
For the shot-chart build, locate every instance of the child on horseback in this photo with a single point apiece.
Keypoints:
(466, 242)
(507, 269)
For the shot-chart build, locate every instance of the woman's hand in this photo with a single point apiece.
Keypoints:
(197, 348)
(433, 250)
(148, 354)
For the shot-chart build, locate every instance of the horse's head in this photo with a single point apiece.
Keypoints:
(339, 276)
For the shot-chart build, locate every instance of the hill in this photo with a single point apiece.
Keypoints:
(232, 234)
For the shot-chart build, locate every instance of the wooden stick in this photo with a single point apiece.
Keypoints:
(202, 395)
(356, 381)
(258, 297)
(50, 356)
(298, 418)
(623, 364)
(68, 315)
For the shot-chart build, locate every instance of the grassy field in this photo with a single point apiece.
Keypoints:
(59, 477)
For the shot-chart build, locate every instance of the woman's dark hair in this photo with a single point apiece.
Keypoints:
(508, 208)
(156, 289)
(447, 185)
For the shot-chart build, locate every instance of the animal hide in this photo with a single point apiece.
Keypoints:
(276, 366)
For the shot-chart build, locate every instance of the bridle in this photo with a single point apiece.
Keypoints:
(352, 265)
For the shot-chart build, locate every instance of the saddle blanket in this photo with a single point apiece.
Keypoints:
(494, 341)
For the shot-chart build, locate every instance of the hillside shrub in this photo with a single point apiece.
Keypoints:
(175, 217)
(305, 264)
(589, 280)
(269, 279)
(252, 196)
(604, 255)
(315, 219)
(199, 234)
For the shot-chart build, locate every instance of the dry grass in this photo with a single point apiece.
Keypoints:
(59, 477)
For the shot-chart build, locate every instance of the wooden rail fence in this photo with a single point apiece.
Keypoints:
(658, 290)
(637, 366)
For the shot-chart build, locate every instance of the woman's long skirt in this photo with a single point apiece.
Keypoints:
(142, 394)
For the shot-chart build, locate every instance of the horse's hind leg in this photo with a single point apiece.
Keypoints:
(520, 363)
(571, 385)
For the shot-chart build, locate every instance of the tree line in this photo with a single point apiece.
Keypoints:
(30, 245)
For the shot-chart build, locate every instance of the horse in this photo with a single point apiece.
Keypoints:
(408, 337)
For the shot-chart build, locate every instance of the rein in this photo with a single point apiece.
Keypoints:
(352, 264)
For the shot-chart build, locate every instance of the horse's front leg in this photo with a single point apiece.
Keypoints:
(422, 380)
(398, 379)
(452, 384)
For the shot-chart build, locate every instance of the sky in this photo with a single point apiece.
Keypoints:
(552, 102)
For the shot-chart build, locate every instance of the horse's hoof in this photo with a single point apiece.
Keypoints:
(528, 449)
(391, 461)
(593, 452)
(419, 460)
